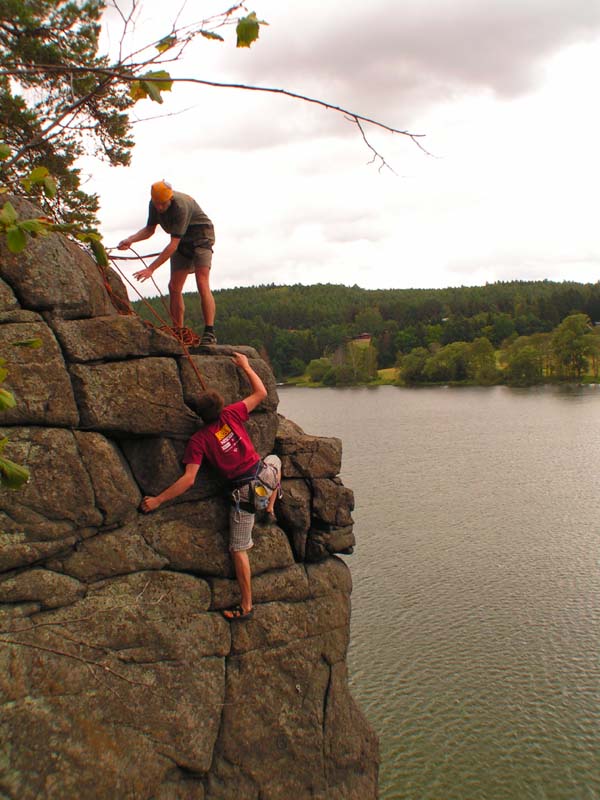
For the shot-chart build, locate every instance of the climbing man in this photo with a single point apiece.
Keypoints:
(190, 250)
(225, 443)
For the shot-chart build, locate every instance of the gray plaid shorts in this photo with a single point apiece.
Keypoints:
(202, 257)
(241, 522)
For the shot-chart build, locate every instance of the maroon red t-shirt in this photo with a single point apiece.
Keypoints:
(225, 443)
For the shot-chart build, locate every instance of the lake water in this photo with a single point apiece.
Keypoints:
(475, 645)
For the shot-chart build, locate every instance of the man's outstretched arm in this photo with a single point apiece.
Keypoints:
(258, 388)
(163, 256)
(140, 236)
(180, 486)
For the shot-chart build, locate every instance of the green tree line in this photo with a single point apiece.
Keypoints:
(569, 351)
(291, 326)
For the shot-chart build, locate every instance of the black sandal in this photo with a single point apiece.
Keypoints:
(237, 613)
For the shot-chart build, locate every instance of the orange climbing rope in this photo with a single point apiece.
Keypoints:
(185, 336)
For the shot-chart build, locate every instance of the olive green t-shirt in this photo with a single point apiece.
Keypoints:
(185, 219)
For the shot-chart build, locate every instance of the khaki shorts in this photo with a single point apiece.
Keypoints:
(241, 522)
(202, 257)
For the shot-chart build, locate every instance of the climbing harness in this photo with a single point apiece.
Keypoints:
(259, 490)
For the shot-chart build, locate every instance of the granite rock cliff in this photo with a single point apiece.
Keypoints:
(119, 678)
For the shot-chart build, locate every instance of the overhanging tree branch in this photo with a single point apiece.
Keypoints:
(131, 75)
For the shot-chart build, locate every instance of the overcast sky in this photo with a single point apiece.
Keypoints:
(505, 93)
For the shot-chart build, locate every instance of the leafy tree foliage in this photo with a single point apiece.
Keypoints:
(361, 358)
(318, 368)
(50, 107)
(481, 362)
(386, 344)
(412, 366)
(409, 338)
(528, 360)
(448, 364)
(571, 343)
(369, 320)
(524, 367)
(594, 351)
(456, 362)
(342, 375)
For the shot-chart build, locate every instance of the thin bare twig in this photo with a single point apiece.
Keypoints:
(127, 21)
(93, 615)
(376, 155)
(163, 116)
(80, 659)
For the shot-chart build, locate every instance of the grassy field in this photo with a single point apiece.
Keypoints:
(384, 377)
(389, 375)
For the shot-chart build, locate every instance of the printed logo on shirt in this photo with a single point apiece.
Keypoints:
(223, 432)
(227, 438)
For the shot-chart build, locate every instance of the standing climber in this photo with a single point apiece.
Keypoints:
(225, 443)
(190, 250)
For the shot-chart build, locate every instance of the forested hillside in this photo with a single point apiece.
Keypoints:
(293, 325)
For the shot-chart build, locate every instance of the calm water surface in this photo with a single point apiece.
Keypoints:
(475, 623)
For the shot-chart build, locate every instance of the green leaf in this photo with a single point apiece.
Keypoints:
(151, 84)
(99, 252)
(8, 215)
(38, 174)
(64, 227)
(152, 91)
(4, 151)
(35, 344)
(12, 475)
(166, 43)
(7, 399)
(88, 236)
(35, 226)
(49, 186)
(136, 91)
(15, 239)
(248, 29)
(94, 239)
(211, 35)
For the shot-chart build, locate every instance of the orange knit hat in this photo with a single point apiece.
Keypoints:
(161, 192)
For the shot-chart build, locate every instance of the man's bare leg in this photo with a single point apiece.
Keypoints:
(241, 564)
(176, 304)
(274, 493)
(207, 301)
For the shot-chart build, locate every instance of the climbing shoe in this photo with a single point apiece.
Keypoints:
(237, 613)
(208, 338)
